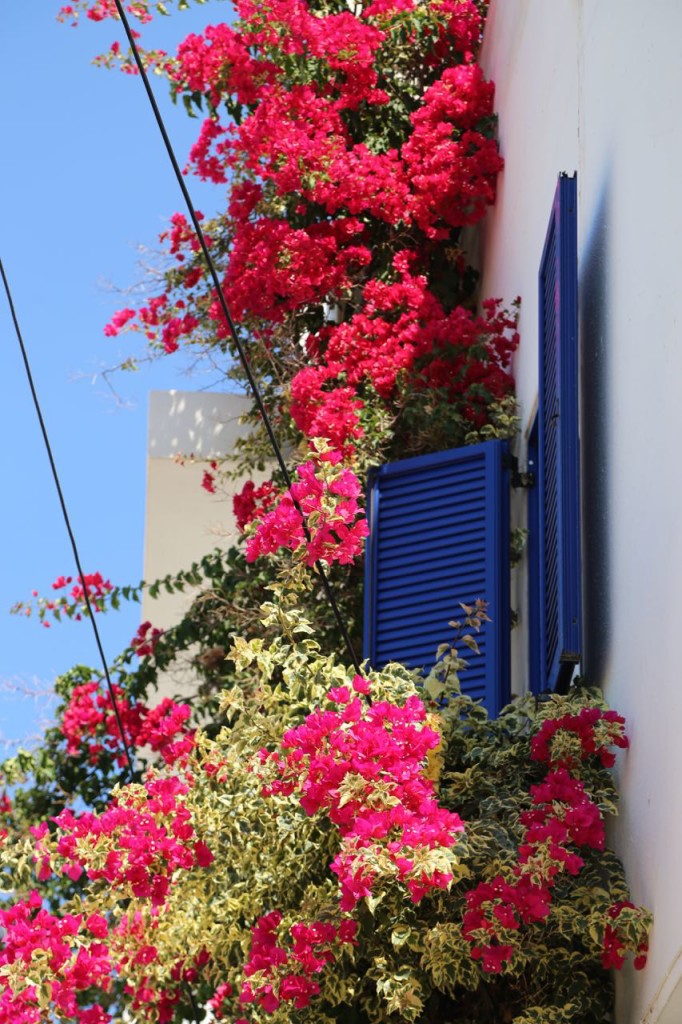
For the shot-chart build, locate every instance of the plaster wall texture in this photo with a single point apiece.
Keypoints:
(592, 86)
(183, 522)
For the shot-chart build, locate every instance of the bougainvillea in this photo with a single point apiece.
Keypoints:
(318, 514)
(313, 853)
(303, 842)
(76, 600)
(363, 765)
(278, 975)
(352, 169)
(78, 961)
(89, 720)
(135, 845)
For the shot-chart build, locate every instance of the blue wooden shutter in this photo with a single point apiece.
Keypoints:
(439, 536)
(559, 470)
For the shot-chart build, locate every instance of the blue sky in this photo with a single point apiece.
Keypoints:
(84, 181)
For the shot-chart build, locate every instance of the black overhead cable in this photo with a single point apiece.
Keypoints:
(230, 322)
(257, 397)
(67, 523)
(74, 548)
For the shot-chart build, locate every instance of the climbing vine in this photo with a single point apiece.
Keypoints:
(301, 841)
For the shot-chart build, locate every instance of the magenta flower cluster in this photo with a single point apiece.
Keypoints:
(324, 215)
(89, 722)
(362, 764)
(147, 831)
(563, 818)
(329, 507)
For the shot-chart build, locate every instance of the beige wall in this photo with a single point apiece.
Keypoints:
(183, 522)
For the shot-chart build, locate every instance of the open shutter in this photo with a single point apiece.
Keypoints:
(559, 470)
(439, 537)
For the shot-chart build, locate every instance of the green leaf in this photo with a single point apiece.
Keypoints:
(471, 643)
(434, 687)
(188, 105)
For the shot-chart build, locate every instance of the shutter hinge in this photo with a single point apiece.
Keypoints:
(517, 478)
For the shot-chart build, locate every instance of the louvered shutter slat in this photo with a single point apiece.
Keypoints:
(558, 446)
(439, 538)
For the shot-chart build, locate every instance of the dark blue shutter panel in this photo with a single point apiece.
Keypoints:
(558, 442)
(439, 537)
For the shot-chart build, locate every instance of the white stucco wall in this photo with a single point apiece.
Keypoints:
(594, 86)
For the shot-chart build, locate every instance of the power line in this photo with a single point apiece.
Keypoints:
(74, 548)
(67, 521)
(253, 384)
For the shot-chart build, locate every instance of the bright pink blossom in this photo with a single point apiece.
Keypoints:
(328, 506)
(563, 818)
(148, 831)
(381, 748)
(253, 502)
